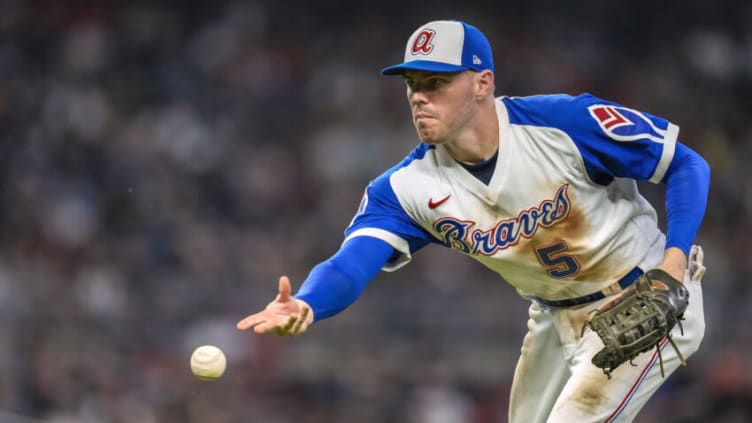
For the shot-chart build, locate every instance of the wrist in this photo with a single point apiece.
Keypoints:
(674, 262)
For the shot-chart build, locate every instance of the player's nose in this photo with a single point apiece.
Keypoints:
(416, 97)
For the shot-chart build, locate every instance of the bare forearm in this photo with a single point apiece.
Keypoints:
(674, 262)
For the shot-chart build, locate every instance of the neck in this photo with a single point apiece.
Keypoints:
(481, 140)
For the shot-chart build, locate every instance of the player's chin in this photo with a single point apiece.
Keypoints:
(432, 141)
(430, 137)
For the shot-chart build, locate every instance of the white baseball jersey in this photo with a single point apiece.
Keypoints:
(561, 216)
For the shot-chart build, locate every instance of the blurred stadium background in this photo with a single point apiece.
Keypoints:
(162, 163)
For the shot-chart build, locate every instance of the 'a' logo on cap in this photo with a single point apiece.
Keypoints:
(423, 42)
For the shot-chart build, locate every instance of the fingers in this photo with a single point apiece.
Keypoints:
(281, 321)
(284, 289)
(283, 316)
(298, 326)
(251, 321)
(281, 324)
(289, 326)
(265, 322)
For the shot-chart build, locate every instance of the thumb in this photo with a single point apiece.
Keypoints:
(284, 289)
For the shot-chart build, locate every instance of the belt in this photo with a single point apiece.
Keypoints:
(612, 289)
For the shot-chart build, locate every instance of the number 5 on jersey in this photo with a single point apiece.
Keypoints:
(558, 263)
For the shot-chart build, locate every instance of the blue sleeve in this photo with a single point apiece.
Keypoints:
(687, 182)
(614, 141)
(380, 209)
(336, 283)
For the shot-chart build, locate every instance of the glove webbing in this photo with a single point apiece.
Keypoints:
(642, 286)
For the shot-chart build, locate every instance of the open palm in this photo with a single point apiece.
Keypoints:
(285, 315)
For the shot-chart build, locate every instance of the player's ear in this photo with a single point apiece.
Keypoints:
(484, 84)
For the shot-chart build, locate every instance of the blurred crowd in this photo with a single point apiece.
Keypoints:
(162, 163)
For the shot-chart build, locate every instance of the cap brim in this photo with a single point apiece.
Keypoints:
(422, 65)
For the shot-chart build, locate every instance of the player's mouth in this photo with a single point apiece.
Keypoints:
(422, 116)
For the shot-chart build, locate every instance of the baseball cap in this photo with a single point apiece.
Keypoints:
(445, 46)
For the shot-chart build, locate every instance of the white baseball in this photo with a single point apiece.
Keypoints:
(208, 362)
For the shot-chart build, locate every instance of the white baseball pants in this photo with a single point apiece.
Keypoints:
(555, 382)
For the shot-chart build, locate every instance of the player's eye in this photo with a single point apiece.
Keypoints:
(435, 83)
(429, 84)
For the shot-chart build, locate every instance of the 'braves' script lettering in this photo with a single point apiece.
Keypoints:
(459, 234)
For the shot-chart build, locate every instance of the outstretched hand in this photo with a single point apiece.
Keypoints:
(286, 316)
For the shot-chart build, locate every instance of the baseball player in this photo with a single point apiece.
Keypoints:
(542, 190)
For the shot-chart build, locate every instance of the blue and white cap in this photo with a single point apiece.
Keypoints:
(445, 46)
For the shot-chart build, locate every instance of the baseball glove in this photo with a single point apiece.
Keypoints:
(639, 320)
